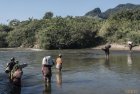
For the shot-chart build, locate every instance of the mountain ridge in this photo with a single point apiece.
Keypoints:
(121, 7)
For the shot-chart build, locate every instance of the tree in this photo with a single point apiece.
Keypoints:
(48, 15)
(5, 28)
(3, 42)
(14, 22)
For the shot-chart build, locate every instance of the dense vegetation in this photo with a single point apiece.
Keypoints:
(72, 32)
(105, 15)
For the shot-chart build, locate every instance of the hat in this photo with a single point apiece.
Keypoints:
(60, 55)
(12, 59)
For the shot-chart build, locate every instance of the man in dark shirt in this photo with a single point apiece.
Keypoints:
(106, 50)
(10, 66)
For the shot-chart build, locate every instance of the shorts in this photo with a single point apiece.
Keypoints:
(58, 66)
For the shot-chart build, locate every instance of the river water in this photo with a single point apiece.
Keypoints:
(85, 71)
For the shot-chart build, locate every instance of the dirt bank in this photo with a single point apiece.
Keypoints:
(118, 47)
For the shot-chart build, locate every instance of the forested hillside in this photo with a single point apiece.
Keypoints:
(112, 11)
(74, 32)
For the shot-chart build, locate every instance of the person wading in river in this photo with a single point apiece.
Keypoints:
(47, 63)
(16, 73)
(131, 45)
(10, 66)
(59, 63)
(106, 50)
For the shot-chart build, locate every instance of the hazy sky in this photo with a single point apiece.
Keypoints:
(23, 9)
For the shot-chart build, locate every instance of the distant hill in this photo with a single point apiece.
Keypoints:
(95, 12)
(121, 7)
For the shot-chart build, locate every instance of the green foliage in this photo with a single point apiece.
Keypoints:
(5, 28)
(72, 32)
(3, 42)
(14, 22)
(112, 11)
(122, 26)
(127, 15)
(134, 36)
(68, 32)
(24, 34)
(15, 38)
(48, 15)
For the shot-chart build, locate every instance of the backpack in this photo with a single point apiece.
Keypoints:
(47, 60)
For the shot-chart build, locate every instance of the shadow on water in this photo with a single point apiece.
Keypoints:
(4, 84)
(15, 89)
(6, 87)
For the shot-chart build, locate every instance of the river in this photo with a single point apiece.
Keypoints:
(85, 71)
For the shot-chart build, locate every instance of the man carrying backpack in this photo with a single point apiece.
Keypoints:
(47, 63)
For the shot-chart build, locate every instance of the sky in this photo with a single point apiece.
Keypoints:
(24, 9)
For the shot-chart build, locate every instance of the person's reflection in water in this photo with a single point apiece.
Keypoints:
(59, 79)
(15, 89)
(47, 89)
(107, 63)
(129, 60)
